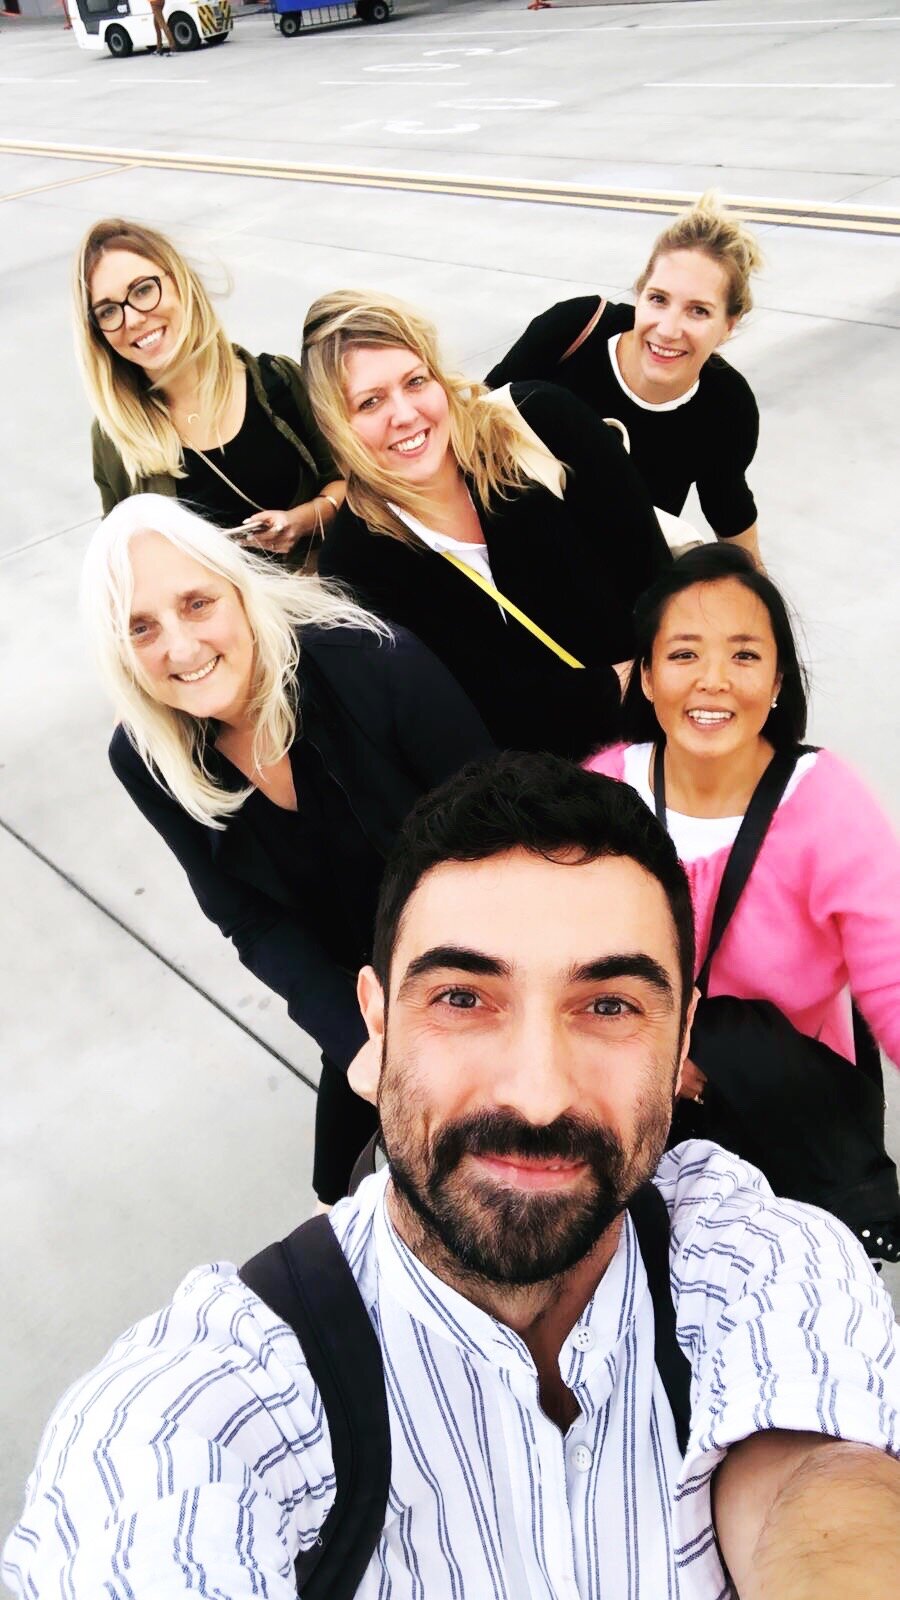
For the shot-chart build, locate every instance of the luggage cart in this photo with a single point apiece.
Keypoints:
(293, 17)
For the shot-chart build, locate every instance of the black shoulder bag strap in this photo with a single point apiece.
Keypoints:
(649, 1213)
(306, 1281)
(764, 803)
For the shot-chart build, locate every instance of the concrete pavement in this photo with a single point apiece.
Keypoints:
(143, 1129)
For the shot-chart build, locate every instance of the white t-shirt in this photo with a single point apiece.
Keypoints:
(645, 405)
(473, 555)
(697, 837)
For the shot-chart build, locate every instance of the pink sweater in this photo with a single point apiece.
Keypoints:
(821, 911)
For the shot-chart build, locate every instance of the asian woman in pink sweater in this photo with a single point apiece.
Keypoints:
(717, 683)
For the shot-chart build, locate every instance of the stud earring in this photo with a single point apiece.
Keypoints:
(774, 702)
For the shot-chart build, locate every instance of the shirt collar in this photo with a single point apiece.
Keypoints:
(589, 1347)
(646, 405)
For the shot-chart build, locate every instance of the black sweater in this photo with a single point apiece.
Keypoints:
(710, 440)
(380, 724)
(575, 566)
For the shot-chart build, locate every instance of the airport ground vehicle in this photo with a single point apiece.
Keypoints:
(293, 17)
(127, 25)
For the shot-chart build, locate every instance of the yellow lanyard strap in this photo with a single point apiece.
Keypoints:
(513, 610)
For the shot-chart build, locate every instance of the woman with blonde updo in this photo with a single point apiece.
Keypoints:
(181, 411)
(510, 532)
(655, 368)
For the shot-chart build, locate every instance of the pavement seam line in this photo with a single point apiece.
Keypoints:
(65, 183)
(145, 944)
(784, 213)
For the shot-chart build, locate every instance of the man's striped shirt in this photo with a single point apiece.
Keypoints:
(195, 1459)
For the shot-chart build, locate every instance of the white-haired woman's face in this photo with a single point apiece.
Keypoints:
(137, 289)
(189, 632)
(398, 411)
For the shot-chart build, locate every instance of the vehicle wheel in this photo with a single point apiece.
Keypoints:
(377, 11)
(118, 42)
(290, 24)
(184, 31)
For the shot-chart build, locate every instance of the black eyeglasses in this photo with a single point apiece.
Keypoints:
(144, 295)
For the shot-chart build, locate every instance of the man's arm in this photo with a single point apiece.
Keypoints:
(799, 1517)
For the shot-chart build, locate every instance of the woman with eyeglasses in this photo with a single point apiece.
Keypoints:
(181, 411)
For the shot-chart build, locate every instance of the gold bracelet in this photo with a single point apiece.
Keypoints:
(331, 501)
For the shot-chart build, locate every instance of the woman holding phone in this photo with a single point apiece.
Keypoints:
(181, 411)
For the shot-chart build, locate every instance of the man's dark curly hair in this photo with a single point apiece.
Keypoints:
(540, 803)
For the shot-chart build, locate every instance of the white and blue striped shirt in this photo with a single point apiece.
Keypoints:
(195, 1459)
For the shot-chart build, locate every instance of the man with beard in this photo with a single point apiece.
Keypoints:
(528, 1008)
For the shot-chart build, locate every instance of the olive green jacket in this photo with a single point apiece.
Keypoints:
(315, 463)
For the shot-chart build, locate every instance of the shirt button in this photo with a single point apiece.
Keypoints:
(583, 1339)
(581, 1458)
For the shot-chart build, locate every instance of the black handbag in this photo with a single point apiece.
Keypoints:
(812, 1121)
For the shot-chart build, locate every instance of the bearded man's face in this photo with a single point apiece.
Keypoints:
(530, 1053)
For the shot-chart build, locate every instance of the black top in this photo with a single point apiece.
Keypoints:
(575, 566)
(380, 725)
(259, 460)
(710, 440)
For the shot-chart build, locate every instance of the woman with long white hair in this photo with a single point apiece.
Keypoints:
(275, 735)
(180, 410)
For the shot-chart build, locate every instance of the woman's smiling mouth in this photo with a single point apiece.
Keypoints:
(149, 341)
(412, 445)
(201, 672)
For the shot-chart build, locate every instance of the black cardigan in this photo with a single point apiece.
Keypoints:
(389, 723)
(575, 566)
(710, 440)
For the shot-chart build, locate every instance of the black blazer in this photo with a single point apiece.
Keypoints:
(575, 566)
(389, 723)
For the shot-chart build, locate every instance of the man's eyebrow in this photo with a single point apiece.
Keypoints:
(630, 964)
(457, 958)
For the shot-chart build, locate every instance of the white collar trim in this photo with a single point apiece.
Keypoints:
(646, 405)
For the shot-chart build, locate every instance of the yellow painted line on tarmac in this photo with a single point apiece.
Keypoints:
(783, 213)
(65, 183)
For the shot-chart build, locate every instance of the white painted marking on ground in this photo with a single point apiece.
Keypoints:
(673, 85)
(366, 83)
(39, 80)
(495, 103)
(128, 83)
(415, 66)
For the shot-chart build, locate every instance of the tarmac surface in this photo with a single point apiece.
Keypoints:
(157, 1108)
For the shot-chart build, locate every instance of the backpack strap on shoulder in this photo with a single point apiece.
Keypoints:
(306, 1281)
(585, 333)
(649, 1213)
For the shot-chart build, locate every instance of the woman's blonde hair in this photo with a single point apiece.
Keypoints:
(719, 234)
(127, 405)
(486, 440)
(276, 603)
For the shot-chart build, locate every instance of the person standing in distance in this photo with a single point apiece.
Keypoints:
(655, 367)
